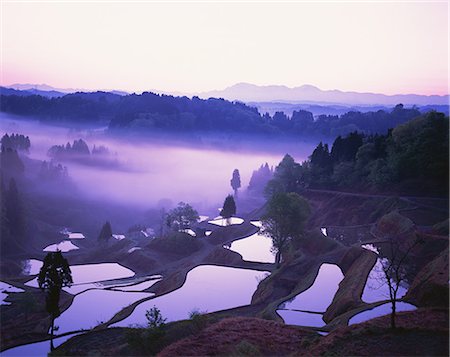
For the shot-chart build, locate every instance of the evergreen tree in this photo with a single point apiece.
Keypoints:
(10, 161)
(260, 178)
(53, 276)
(235, 181)
(14, 214)
(229, 207)
(287, 174)
(105, 233)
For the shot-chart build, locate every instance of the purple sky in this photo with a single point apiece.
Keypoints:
(385, 47)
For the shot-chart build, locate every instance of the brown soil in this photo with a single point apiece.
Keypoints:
(419, 333)
(430, 287)
(235, 336)
(346, 208)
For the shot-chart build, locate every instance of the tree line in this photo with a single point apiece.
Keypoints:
(413, 157)
(150, 112)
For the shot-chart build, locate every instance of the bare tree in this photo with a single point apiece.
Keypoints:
(395, 269)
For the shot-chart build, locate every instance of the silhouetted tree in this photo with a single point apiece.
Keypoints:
(53, 276)
(260, 178)
(10, 162)
(14, 213)
(345, 149)
(394, 269)
(320, 158)
(287, 173)
(235, 181)
(50, 171)
(16, 142)
(281, 121)
(105, 233)
(284, 220)
(229, 207)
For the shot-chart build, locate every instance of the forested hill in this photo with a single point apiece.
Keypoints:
(413, 158)
(149, 112)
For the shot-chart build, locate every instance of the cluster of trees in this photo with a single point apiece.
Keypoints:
(181, 217)
(16, 142)
(173, 240)
(379, 121)
(13, 219)
(410, 157)
(260, 178)
(10, 162)
(149, 112)
(51, 171)
(76, 106)
(79, 151)
(100, 150)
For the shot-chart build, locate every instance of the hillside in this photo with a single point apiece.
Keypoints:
(150, 113)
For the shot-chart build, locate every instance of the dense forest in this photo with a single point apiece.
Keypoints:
(149, 112)
(412, 157)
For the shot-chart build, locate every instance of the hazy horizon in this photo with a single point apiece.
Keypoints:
(388, 48)
(71, 89)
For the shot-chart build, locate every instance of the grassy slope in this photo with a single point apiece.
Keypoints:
(421, 332)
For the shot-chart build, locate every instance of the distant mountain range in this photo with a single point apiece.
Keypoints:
(31, 91)
(250, 93)
(43, 88)
(247, 92)
(46, 90)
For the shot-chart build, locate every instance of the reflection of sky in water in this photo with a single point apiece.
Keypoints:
(370, 247)
(380, 311)
(64, 246)
(76, 236)
(5, 289)
(320, 295)
(138, 287)
(254, 248)
(93, 307)
(226, 221)
(189, 231)
(301, 318)
(89, 273)
(38, 349)
(32, 267)
(256, 223)
(207, 288)
(376, 288)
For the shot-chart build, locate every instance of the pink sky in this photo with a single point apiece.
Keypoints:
(383, 47)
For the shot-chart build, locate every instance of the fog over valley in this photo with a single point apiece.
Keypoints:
(210, 178)
(143, 173)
